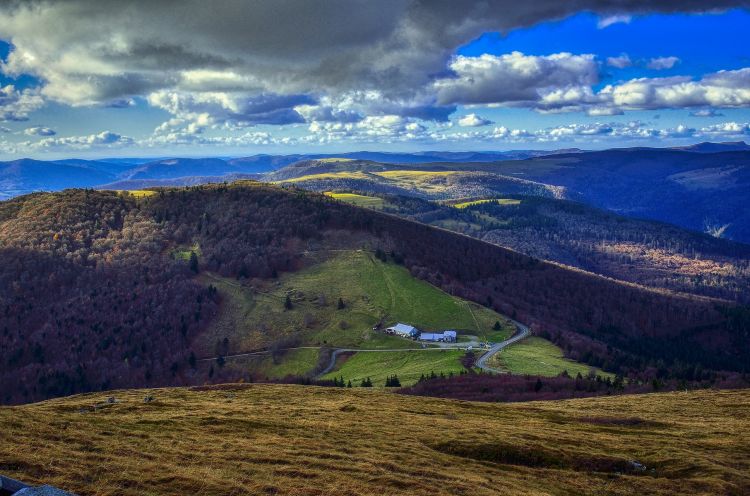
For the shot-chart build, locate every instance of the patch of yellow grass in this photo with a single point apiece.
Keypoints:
(334, 159)
(410, 175)
(359, 200)
(326, 175)
(428, 181)
(274, 439)
(138, 193)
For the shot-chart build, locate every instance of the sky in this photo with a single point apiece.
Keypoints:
(105, 78)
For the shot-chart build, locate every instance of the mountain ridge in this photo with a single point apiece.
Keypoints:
(102, 259)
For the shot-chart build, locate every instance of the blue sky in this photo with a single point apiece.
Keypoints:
(72, 85)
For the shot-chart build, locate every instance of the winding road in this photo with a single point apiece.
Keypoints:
(522, 333)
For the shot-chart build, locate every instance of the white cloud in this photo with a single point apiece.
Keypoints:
(661, 63)
(39, 131)
(564, 83)
(721, 89)
(105, 139)
(230, 61)
(16, 105)
(382, 128)
(206, 108)
(473, 120)
(249, 138)
(727, 129)
(121, 103)
(605, 22)
(603, 111)
(514, 78)
(622, 61)
(706, 113)
(599, 132)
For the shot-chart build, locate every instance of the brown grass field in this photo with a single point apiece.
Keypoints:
(296, 440)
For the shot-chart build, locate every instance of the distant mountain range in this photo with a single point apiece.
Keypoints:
(707, 147)
(697, 189)
(703, 187)
(26, 175)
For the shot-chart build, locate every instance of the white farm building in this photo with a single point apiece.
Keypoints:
(445, 336)
(403, 330)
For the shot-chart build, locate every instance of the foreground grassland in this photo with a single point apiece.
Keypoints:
(537, 356)
(407, 365)
(264, 439)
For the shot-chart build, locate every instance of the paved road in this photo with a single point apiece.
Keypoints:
(522, 333)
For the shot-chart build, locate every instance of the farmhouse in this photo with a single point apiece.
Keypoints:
(445, 336)
(404, 330)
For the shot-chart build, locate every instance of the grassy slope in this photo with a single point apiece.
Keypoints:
(370, 289)
(407, 365)
(538, 356)
(138, 193)
(294, 362)
(304, 440)
(328, 175)
(427, 181)
(359, 200)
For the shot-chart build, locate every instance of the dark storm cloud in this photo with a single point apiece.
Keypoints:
(126, 48)
(196, 58)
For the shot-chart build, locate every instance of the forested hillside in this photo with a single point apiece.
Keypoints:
(705, 192)
(92, 296)
(640, 251)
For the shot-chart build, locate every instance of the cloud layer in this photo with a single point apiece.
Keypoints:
(340, 67)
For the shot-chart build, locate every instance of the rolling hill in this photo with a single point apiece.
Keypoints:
(22, 176)
(702, 187)
(645, 252)
(335, 302)
(698, 191)
(274, 439)
(708, 147)
(705, 192)
(97, 289)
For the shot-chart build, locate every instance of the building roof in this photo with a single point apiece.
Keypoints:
(403, 328)
(450, 333)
